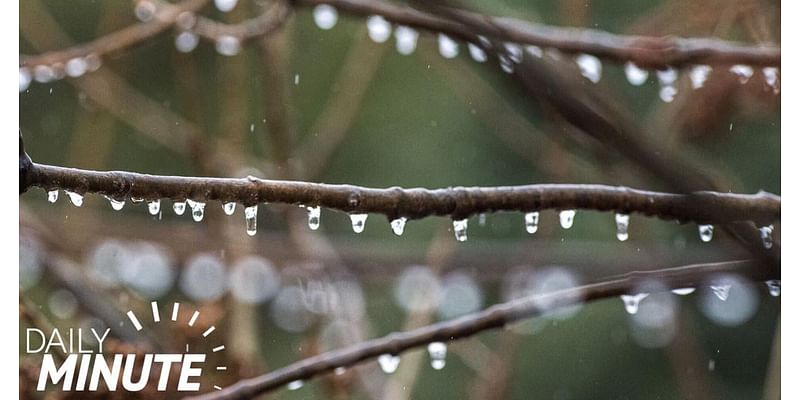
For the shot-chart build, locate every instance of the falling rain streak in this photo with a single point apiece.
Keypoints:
(567, 218)
(622, 221)
(460, 229)
(358, 221)
(251, 219)
(631, 302)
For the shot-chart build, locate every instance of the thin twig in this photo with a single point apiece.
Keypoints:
(494, 317)
(456, 202)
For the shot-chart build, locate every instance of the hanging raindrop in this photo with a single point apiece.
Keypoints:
(698, 75)
(514, 51)
(179, 207)
(590, 66)
(186, 41)
(225, 5)
(766, 236)
(378, 28)
(635, 75)
(250, 219)
(448, 48)
(743, 72)
(567, 217)
(532, 222)
(406, 40)
(770, 77)
(24, 79)
(144, 10)
(622, 220)
(75, 198)
(229, 208)
(325, 16)
(706, 232)
(505, 64)
(667, 79)
(460, 229)
(476, 53)
(683, 291)
(294, 385)
(52, 196)
(228, 45)
(154, 206)
(631, 302)
(358, 221)
(388, 363)
(398, 225)
(481, 219)
(721, 291)
(438, 353)
(76, 67)
(313, 217)
(774, 287)
(197, 209)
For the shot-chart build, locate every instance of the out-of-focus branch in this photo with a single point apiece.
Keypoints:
(493, 317)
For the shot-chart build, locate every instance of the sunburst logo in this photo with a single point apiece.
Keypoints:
(83, 369)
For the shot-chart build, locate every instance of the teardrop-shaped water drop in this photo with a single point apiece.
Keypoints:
(398, 225)
(631, 302)
(378, 28)
(766, 236)
(514, 52)
(771, 78)
(179, 207)
(622, 221)
(532, 222)
(536, 51)
(460, 229)
(154, 206)
(506, 65)
(774, 287)
(388, 363)
(228, 45)
(438, 354)
(566, 217)
(313, 217)
(24, 79)
(144, 10)
(406, 39)
(683, 291)
(706, 232)
(590, 66)
(186, 41)
(225, 5)
(476, 53)
(448, 48)
(325, 16)
(721, 291)
(76, 67)
(198, 208)
(52, 195)
(339, 370)
(75, 198)
(251, 219)
(635, 75)
(294, 385)
(667, 78)
(743, 72)
(698, 75)
(358, 221)
(229, 208)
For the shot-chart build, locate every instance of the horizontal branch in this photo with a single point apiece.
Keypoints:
(494, 317)
(415, 203)
(645, 51)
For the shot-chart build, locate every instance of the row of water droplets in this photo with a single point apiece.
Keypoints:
(73, 68)
(358, 220)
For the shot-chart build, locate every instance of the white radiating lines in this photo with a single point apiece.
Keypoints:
(208, 331)
(175, 308)
(218, 348)
(134, 321)
(194, 318)
(156, 315)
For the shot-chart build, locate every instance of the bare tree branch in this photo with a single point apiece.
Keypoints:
(494, 317)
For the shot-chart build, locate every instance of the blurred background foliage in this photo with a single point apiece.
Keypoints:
(405, 120)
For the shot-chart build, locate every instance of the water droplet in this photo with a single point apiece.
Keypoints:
(774, 287)
(93, 62)
(683, 291)
(186, 41)
(339, 371)
(378, 28)
(438, 353)
(398, 225)
(52, 196)
(406, 39)
(313, 217)
(388, 363)
(514, 51)
(766, 236)
(460, 229)
(706, 232)
(144, 10)
(358, 221)
(722, 291)
(24, 79)
(632, 302)
(476, 53)
(296, 82)
(229, 208)
(636, 76)
(567, 217)
(179, 207)
(225, 5)
(532, 222)
(698, 75)
(136, 200)
(481, 219)
(154, 206)
(294, 385)
(43, 74)
(197, 209)
(535, 50)
(505, 64)
(75, 198)
(771, 78)
(228, 45)
(743, 72)
(667, 93)
(325, 16)
(115, 204)
(186, 20)
(622, 220)
(590, 66)
(76, 67)
(667, 79)
(448, 48)
(251, 219)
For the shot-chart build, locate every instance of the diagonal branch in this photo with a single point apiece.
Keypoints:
(494, 317)
(456, 202)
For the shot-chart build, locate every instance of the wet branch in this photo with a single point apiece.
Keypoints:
(494, 317)
(456, 202)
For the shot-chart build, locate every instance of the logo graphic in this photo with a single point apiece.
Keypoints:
(84, 369)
